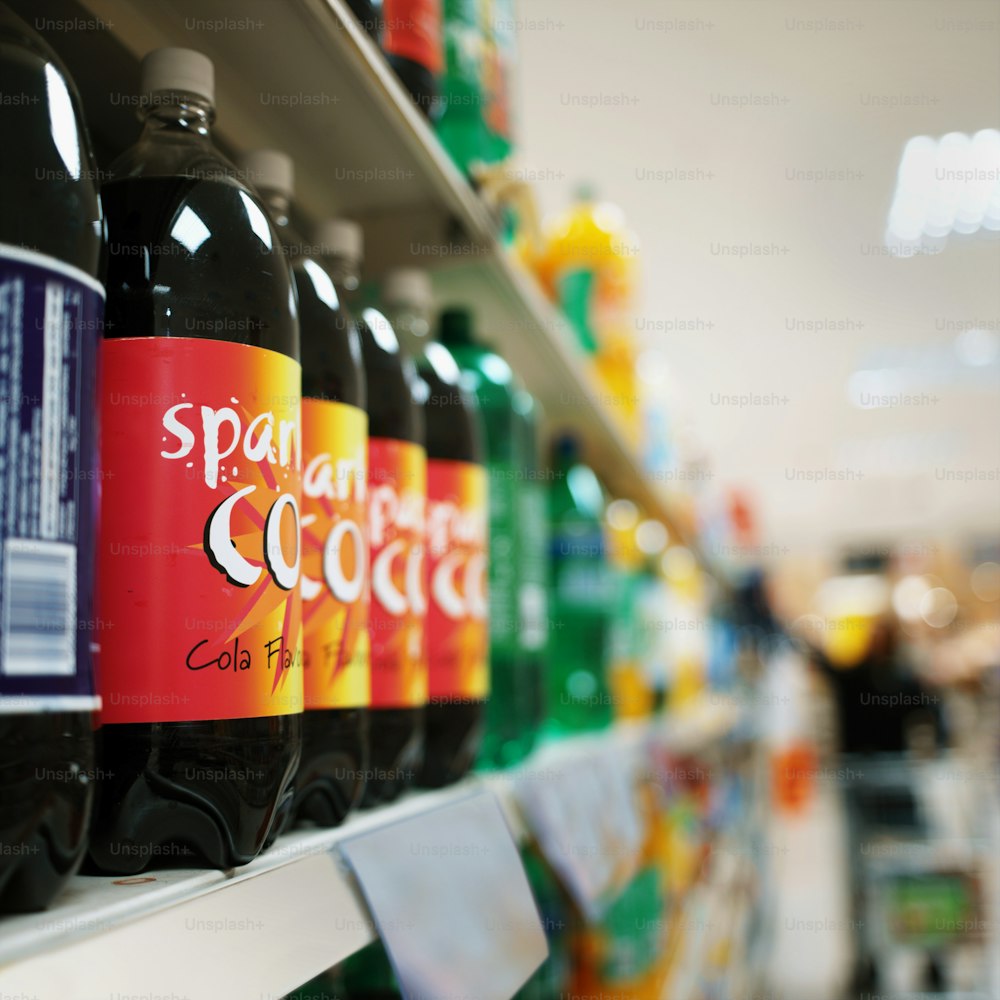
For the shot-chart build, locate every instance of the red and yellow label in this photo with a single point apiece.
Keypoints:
(334, 555)
(199, 548)
(457, 622)
(397, 496)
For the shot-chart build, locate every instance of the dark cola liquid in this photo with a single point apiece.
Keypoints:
(454, 730)
(330, 779)
(162, 283)
(396, 735)
(46, 758)
(161, 802)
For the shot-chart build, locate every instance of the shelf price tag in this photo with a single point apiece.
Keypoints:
(585, 818)
(448, 894)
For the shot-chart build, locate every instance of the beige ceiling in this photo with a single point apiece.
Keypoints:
(822, 79)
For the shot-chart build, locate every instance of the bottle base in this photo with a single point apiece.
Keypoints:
(31, 885)
(565, 726)
(331, 777)
(396, 739)
(512, 712)
(499, 752)
(454, 732)
(191, 794)
(46, 793)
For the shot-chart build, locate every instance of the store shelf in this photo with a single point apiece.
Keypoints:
(515, 316)
(263, 929)
(302, 76)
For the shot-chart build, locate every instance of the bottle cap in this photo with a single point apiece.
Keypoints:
(178, 70)
(269, 170)
(455, 326)
(408, 286)
(341, 238)
(566, 446)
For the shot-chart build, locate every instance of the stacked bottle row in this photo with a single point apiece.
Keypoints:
(286, 530)
(304, 514)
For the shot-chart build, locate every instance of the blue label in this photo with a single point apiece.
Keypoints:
(581, 578)
(50, 328)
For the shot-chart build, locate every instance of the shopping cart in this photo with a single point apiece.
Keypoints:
(924, 848)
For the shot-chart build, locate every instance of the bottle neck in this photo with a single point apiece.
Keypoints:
(278, 206)
(345, 272)
(410, 321)
(184, 112)
(455, 329)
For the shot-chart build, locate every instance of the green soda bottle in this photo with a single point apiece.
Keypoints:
(366, 975)
(461, 128)
(581, 598)
(533, 568)
(631, 932)
(490, 377)
(551, 980)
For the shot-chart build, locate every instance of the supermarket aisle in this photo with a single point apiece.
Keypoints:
(812, 951)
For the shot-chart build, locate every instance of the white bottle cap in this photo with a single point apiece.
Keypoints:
(341, 238)
(408, 286)
(269, 170)
(180, 71)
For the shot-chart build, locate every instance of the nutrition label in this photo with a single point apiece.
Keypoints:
(50, 318)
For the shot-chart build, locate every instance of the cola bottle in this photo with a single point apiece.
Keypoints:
(514, 613)
(397, 497)
(336, 671)
(457, 621)
(51, 306)
(199, 555)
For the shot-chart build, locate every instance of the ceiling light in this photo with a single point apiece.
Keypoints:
(944, 186)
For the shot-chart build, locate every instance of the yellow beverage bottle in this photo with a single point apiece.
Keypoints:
(590, 266)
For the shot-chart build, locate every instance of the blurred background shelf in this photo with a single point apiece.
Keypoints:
(303, 77)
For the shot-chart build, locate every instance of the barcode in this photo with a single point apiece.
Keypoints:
(39, 608)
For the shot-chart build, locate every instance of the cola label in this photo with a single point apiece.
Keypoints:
(50, 328)
(457, 629)
(334, 555)
(199, 545)
(397, 496)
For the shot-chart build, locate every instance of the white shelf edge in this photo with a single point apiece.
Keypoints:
(276, 922)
